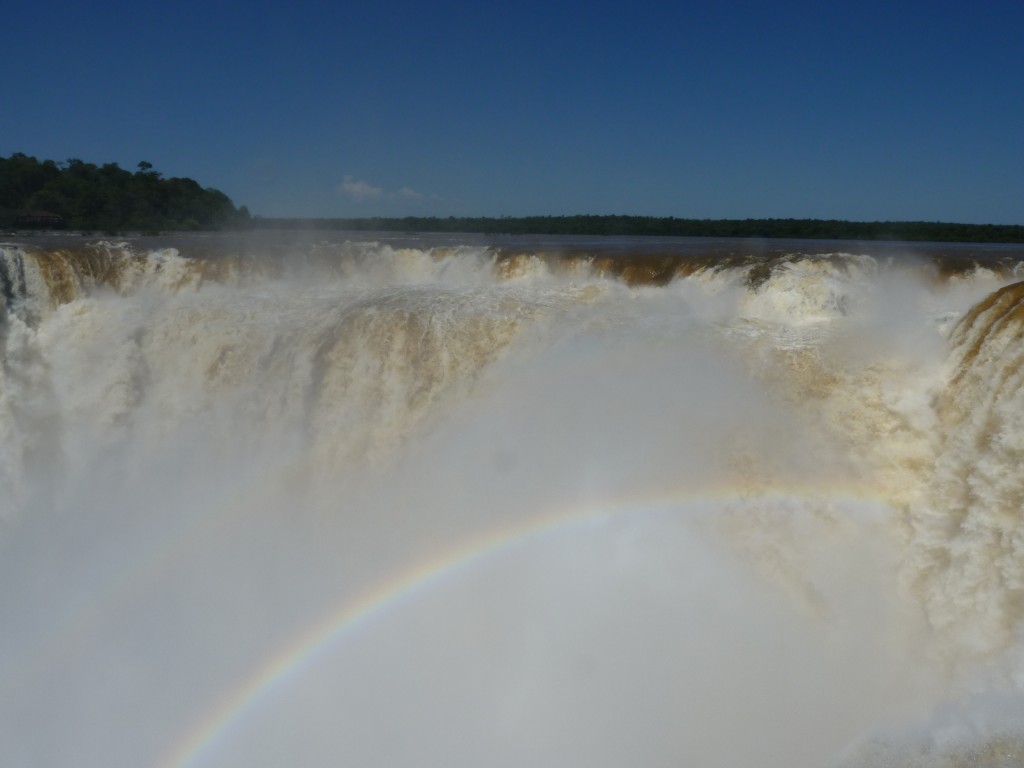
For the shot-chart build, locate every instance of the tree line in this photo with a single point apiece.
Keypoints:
(78, 195)
(813, 229)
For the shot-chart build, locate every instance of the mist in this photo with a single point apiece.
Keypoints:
(400, 507)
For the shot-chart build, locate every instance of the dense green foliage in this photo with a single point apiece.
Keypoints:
(79, 195)
(824, 229)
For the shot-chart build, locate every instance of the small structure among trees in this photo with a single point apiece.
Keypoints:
(39, 220)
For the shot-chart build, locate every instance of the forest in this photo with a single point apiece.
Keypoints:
(77, 195)
(816, 229)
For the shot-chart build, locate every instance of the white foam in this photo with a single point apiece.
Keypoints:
(199, 462)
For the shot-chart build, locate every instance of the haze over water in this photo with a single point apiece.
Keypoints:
(346, 500)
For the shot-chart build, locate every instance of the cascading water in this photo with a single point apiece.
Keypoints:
(325, 502)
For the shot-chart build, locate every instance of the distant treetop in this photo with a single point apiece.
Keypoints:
(797, 229)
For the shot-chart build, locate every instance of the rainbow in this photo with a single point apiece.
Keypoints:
(209, 731)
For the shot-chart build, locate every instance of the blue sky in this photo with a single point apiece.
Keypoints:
(867, 111)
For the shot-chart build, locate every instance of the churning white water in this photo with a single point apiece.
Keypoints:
(332, 502)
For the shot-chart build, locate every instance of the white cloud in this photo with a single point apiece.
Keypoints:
(360, 191)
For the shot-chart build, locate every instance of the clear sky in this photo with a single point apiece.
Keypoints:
(875, 110)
